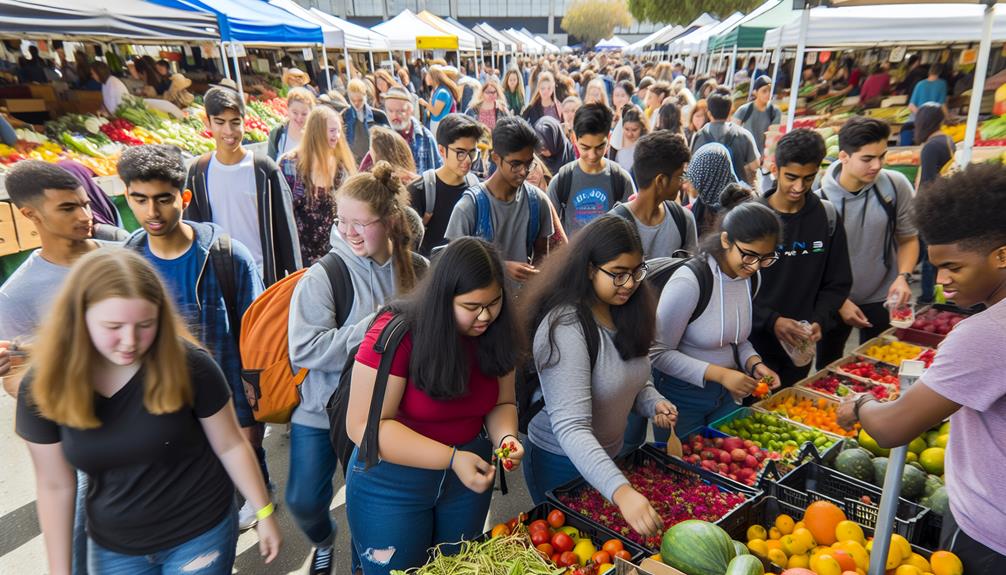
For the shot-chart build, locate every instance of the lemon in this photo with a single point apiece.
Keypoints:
(778, 557)
(945, 428)
(798, 525)
(904, 547)
(910, 457)
(849, 531)
(758, 547)
(859, 554)
(756, 532)
(825, 564)
(919, 562)
(908, 570)
(784, 523)
(946, 563)
(796, 561)
(870, 444)
(805, 537)
(941, 440)
(793, 545)
(774, 534)
(932, 460)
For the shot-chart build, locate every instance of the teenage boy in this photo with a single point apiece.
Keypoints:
(812, 277)
(757, 115)
(515, 215)
(664, 226)
(876, 207)
(192, 258)
(743, 150)
(438, 190)
(59, 207)
(963, 221)
(244, 194)
(587, 188)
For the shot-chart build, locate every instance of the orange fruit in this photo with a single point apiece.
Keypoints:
(845, 560)
(784, 523)
(946, 563)
(821, 518)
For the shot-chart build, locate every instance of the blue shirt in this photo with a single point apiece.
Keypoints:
(442, 95)
(180, 275)
(929, 91)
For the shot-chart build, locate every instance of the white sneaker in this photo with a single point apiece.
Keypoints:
(321, 561)
(247, 517)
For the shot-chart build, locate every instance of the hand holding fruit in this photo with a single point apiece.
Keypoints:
(510, 453)
(765, 374)
(474, 472)
(738, 383)
(637, 511)
(666, 415)
(899, 293)
(852, 315)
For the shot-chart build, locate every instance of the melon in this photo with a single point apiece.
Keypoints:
(855, 463)
(913, 482)
(745, 565)
(879, 470)
(932, 484)
(740, 548)
(697, 548)
(939, 503)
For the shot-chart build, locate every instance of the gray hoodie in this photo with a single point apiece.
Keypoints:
(315, 341)
(866, 229)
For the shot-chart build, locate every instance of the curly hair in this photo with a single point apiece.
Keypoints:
(968, 208)
(154, 162)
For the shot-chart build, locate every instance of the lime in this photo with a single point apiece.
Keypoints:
(932, 460)
(917, 445)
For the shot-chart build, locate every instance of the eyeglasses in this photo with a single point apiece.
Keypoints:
(622, 278)
(489, 92)
(519, 166)
(477, 308)
(749, 258)
(358, 227)
(461, 153)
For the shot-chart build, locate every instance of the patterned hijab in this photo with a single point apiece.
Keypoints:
(553, 138)
(710, 171)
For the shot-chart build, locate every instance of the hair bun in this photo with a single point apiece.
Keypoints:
(735, 194)
(383, 172)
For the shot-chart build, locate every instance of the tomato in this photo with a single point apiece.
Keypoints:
(624, 555)
(568, 559)
(612, 546)
(562, 542)
(519, 519)
(539, 536)
(601, 557)
(545, 549)
(555, 559)
(500, 530)
(539, 524)
(556, 519)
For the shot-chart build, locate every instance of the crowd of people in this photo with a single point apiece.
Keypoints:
(576, 248)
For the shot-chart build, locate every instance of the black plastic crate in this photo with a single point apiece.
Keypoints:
(672, 467)
(814, 481)
(929, 532)
(660, 448)
(597, 534)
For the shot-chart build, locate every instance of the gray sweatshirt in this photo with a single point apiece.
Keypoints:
(315, 341)
(586, 410)
(684, 350)
(865, 229)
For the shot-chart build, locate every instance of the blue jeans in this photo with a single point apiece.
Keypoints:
(309, 485)
(397, 512)
(697, 406)
(928, 275)
(211, 553)
(544, 471)
(79, 557)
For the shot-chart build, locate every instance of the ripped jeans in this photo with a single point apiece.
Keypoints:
(211, 553)
(397, 512)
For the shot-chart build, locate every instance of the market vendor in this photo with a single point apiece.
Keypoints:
(112, 89)
(963, 221)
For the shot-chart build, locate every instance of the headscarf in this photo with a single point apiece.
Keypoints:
(553, 138)
(102, 209)
(709, 171)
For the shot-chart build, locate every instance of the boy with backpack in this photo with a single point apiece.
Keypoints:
(876, 209)
(212, 277)
(757, 115)
(813, 275)
(505, 210)
(592, 185)
(664, 226)
(744, 153)
(244, 194)
(438, 190)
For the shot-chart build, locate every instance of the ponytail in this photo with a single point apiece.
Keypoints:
(743, 220)
(388, 199)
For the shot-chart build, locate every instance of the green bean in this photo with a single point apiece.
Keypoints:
(504, 555)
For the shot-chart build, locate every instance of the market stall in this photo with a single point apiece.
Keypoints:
(748, 34)
(664, 34)
(613, 43)
(506, 45)
(676, 47)
(408, 32)
(531, 46)
(133, 20)
(357, 38)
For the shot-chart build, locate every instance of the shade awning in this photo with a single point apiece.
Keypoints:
(749, 33)
(130, 20)
(333, 37)
(466, 40)
(253, 22)
(407, 32)
(613, 43)
(508, 43)
(356, 37)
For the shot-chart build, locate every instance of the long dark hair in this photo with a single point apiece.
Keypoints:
(743, 219)
(928, 120)
(566, 282)
(439, 364)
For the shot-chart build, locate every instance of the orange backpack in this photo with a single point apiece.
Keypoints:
(270, 380)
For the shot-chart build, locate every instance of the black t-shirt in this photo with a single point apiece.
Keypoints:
(934, 155)
(153, 480)
(447, 197)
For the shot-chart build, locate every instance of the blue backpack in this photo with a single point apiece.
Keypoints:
(484, 219)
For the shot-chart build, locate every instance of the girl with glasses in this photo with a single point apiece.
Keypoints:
(489, 105)
(592, 323)
(708, 366)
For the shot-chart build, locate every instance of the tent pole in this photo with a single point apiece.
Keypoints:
(776, 55)
(349, 74)
(801, 49)
(237, 70)
(324, 65)
(223, 60)
(459, 57)
(981, 68)
(372, 68)
(733, 64)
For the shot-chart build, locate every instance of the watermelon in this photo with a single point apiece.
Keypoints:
(740, 548)
(745, 565)
(938, 502)
(697, 548)
(879, 470)
(856, 463)
(913, 482)
(932, 484)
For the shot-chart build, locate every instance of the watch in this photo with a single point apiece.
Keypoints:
(907, 276)
(862, 399)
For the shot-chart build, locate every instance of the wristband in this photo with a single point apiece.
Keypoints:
(860, 401)
(757, 363)
(265, 512)
(450, 464)
(502, 439)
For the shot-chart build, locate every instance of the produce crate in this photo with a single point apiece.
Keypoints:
(839, 366)
(815, 481)
(880, 340)
(827, 454)
(597, 534)
(675, 469)
(928, 338)
(659, 450)
(843, 379)
(797, 394)
(929, 531)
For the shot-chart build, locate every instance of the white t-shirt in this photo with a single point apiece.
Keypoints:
(112, 92)
(234, 201)
(289, 144)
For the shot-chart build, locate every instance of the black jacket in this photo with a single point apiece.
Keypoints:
(812, 278)
(277, 228)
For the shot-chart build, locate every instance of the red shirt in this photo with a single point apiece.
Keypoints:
(453, 421)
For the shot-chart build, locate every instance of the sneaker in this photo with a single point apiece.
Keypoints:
(321, 561)
(247, 517)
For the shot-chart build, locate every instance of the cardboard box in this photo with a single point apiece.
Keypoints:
(15, 105)
(646, 567)
(27, 235)
(45, 92)
(8, 233)
(82, 102)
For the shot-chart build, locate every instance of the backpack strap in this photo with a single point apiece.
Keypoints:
(222, 260)
(748, 111)
(471, 180)
(430, 189)
(832, 214)
(622, 211)
(677, 212)
(704, 275)
(386, 345)
(888, 202)
(534, 219)
(483, 213)
(563, 187)
(342, 285)
(617, 182)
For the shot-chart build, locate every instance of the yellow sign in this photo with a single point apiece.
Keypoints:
(437, 42)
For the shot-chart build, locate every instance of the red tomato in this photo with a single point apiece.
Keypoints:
(545, 549)
(519, 519)
(601, 557)
(569, 559)
(556, 519)
(612, 546)
(624, 555)
(536, 525)
(562, 542)
(539, 536)
(555, 559)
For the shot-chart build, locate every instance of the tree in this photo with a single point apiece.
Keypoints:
(593, 20)
(684, 11)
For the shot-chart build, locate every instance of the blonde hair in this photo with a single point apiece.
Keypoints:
(388, 199)
(388, 145)
(598, 84)
(313, 153)
(357, 86)
(441, 77)
(302, 95)
(480, 98)
(65, 356)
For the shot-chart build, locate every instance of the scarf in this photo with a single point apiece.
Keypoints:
(553, 138)
(710, 171)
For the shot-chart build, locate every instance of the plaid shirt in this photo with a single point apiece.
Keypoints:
(424, 148)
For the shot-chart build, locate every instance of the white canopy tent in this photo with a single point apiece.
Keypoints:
(356, 37)
(467, 41)
(507, 44)
(333, 37)
(531, 45)
(678, 45)
(549, 47)
(408, 32)
(133, 20)
(666, 33)
(613, 43)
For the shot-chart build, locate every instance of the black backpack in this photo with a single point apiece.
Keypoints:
(564, 185)
(673, 208)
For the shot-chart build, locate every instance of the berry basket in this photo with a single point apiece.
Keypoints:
(844, 365)
(826, 453)
(676, 472)
(780, 467)
(826, 380)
